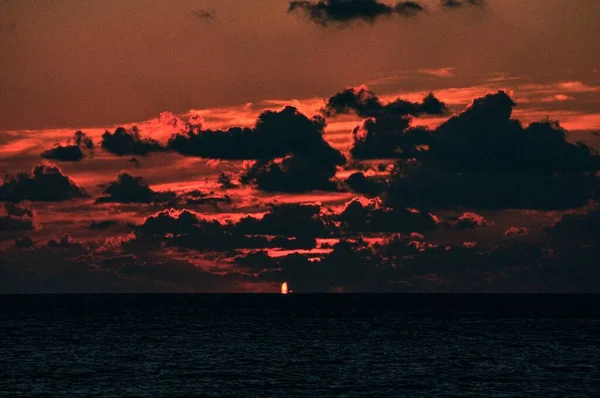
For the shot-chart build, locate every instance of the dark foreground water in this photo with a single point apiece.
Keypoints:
(309, 345)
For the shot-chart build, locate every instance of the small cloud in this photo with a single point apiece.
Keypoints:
(205, 14)
(324, 12)
(578, 87)
(558, 98)
(516, 231)
(440, 72)
(462, 3)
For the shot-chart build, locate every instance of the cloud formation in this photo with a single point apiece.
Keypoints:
(205, 14)
(387, 131)
(462, 3)
(577, 227)
(129, 189)
(290, 151)
(45, 182)
(75, 150)
(324, 12)
(17, 217)
(482, 158)
(187, 229)
(129, 142)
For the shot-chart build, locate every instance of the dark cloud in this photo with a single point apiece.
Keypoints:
(296, 173)
(66, 242)
(275, 135)
(45, 182)
(287, 220)
(205, 14)
(129, 189)
(371, 186)
(136, 163)
(290, 151)
(74, 151)
(103, 224)
(481, 158)
(25, 242)
(408, 263)
(197, 197)
(577, 227)
(129, 142)
(71, 268)
(386, 133)
(17, 217)
(67, 153)
(225, 181)
(489, 140)
(364, 103)
(324, 12)
(370, 215)
(462, 3)
(187, 229)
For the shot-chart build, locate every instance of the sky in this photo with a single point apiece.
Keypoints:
(228, 146)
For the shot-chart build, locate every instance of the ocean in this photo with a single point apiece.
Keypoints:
(322, 345)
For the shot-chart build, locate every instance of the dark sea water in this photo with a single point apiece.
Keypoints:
(299, 345)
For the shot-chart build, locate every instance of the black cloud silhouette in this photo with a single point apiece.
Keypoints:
(129, 142)
(66, 242)
(275, 134)
(129, 189)
(290, 151)
(74, 151)
(386, 133)
(45, 183)
(370, 215)
(364, 103)
(296, 173)
(371, 186)
(324, 12)
(187, 229)
(25, 242)
(481, 158)
(461, 3)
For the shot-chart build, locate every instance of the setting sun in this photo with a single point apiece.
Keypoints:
(284, 288)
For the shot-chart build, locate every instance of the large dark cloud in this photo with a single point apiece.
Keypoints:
(324, 12)
(481, 158)
(290, 151)
(129, 142)
(45, 182)
(275, 135)
(487, 139)
(296, 173)
(74, 151)
(365, 103)
(408, 263)
(187, 229)
(129, 189)
(386, 132)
